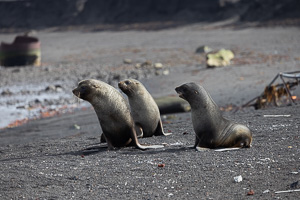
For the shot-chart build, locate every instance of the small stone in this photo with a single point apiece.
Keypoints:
(166, 72)
(127, 61)
(161, 165)
(238, 179)
(50, 88)
(76, 126)
(146, 63)
(6, 93)
(138, 65)
(203, 49)
(59, 89)
(266, 191)
(158, 65)
(251, 192)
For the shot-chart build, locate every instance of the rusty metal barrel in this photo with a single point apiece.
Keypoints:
(25, 50)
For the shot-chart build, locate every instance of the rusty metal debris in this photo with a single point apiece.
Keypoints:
(273, 93)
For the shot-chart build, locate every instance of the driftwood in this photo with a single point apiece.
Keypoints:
(172, 104)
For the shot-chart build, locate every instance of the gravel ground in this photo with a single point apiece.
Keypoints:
(59, 168)
(45, 158)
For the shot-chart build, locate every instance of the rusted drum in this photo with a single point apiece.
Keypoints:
(25, 50)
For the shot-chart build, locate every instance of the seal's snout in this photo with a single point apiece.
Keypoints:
(179, 92)
(76, 92)
(121, 85)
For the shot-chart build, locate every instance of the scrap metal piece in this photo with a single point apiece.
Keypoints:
(272, 93)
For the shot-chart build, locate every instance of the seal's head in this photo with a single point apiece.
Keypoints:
(131, 87)
(195, 94)
(189, 91)
(88, 89)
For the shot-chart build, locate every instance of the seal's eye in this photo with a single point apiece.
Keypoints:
(127, 82)
(196, 92)
(95, 86)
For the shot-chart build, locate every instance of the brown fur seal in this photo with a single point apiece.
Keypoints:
(212, 130)
(144, 109)
(113, 113)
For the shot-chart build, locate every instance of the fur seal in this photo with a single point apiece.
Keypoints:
(211, 128)
(144, 109)
(113, 113)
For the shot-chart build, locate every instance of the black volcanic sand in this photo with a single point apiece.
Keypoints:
(58, 168)
(44, 159)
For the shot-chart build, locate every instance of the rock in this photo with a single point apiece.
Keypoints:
(161, 165)
(54, 88)
(158, 66)
(146, 63)
(50, 88)
(266, 191)
(219, 59)
(166, 72)
(138, 65)
(238, 179)
(6, 93)
(127, 61)
(251, 192)
(203, 49)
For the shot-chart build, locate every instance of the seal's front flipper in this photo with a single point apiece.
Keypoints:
(102, 138)
(202, 149)
(160, 131)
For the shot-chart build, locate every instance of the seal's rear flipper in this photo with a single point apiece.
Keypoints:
(160, 131)
(228, 149)
(145, 147)
(202, 149)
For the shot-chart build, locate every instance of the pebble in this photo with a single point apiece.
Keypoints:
(127, 61)
(238, 179)
(158, 65)
(166, 72)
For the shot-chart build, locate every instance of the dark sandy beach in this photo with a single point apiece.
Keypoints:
(44, 158)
